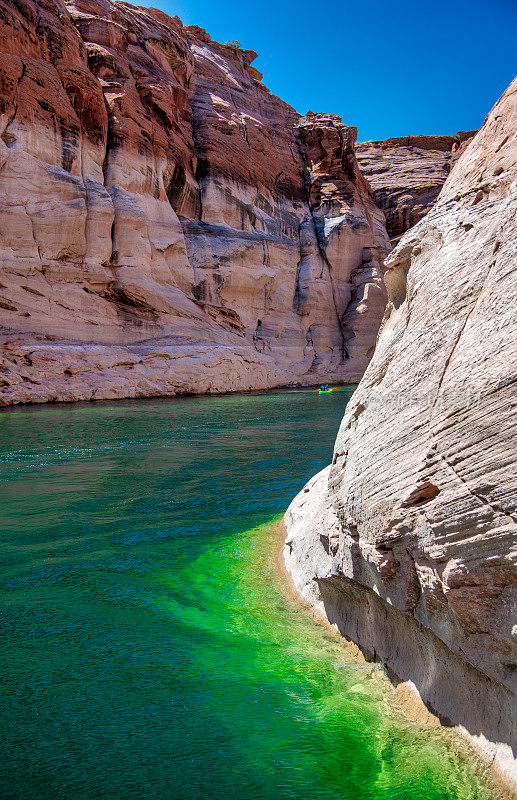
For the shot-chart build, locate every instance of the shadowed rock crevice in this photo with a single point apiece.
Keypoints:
(421, 495)
(345, 222)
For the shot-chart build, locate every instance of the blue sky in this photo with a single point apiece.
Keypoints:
(390, 67)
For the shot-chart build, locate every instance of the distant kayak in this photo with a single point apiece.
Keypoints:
(325, 391)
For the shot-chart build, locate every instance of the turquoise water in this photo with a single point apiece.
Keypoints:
(148, 648)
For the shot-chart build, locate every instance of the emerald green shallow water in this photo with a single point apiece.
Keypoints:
(148, 649)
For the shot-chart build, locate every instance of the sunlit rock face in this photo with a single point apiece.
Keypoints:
(156, 230)
(407, 173)
(408, 541)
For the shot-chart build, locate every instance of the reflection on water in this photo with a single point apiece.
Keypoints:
(147, 647)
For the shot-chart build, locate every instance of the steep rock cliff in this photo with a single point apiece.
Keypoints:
(408, 541)
(156, 234)
(407, 173)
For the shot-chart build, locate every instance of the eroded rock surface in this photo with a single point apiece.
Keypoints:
(407, 173)
(156, 234)
(408, 541)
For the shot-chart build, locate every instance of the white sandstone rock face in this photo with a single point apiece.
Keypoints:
(417, 518)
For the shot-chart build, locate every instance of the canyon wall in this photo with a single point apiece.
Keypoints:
(407, 173)
(408, 540)
(166, 224)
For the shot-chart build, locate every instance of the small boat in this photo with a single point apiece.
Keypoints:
(326, 390)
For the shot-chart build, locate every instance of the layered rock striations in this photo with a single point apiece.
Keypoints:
(158, 230)
(407, 173)
(408, 541)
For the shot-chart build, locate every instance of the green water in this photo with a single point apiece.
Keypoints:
(148, 649)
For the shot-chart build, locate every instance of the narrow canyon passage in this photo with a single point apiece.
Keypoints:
(149, 648)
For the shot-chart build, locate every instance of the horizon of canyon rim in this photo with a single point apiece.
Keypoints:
(169, 227)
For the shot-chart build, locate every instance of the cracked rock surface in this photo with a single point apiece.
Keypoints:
(408, 541)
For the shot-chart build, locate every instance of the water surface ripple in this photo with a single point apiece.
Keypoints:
(147, 647)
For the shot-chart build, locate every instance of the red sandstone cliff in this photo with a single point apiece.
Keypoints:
(407, 173)
(158, 230)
